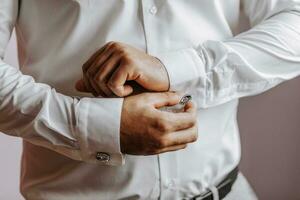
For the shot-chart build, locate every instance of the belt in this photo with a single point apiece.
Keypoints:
(223, 188)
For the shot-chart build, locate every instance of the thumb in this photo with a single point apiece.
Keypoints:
(165, 99)
(80, 86)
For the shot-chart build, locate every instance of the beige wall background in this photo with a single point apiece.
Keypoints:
(270, 133)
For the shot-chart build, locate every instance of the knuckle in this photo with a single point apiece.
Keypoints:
(112, 44)
(162, 125)
(193, 122)
(121, 49)
(184, 146)
(117, 46)
(160, 143)
(116, 89)
(122, 54)
(111, 84)
(194, 136)
(125, 59)
(99, 79)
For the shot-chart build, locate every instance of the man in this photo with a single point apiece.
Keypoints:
(80, 147)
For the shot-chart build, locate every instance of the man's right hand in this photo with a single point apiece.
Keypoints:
(145, 130)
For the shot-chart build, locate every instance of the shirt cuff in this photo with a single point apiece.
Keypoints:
(98, 129)
(183, 67)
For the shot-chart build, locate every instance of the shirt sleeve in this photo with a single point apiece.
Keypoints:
(247, 64)
(85, 129)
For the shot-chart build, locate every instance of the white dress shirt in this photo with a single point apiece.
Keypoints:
(71, 144)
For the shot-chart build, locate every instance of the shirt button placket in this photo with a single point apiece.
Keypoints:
(150, 11)
(166, 163)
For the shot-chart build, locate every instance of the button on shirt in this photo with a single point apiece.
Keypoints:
(71, 140)
(153, 10)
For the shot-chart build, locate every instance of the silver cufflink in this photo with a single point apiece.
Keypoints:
(101, 156)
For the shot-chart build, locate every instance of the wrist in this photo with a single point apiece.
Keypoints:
(163, 70)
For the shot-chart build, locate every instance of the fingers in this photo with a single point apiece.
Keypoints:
(92, 59)
(118, 80)
(105, 72)
(182, 137)
(102, 58)
(190, 107)
(157, 132)
(110, 68)
(85, 68)
(161, 99)
(176, 128)
(80, 86)
(105, 75)
(177, 140)
(180, 120)
(168, 121)
(98, 63)
(90, 69)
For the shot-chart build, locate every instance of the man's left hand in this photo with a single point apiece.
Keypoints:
(108, 71)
